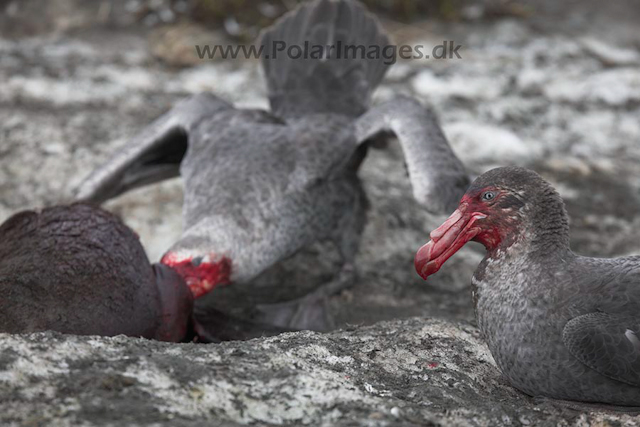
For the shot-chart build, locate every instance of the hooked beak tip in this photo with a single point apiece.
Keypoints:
(422, 260)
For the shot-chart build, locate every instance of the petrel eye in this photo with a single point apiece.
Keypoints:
(196, 261)
(488, 195)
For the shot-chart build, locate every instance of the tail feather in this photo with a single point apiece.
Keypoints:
(335, 82)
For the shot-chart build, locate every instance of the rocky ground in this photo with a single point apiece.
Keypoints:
(404, 373)
(558, 94)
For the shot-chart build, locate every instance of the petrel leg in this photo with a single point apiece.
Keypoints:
(212, 325)
(310, 312)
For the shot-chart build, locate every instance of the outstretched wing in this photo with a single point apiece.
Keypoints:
(152, 155)
(607, 343)
(437, 176)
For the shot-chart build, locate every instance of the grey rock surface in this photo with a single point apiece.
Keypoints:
(404, 373)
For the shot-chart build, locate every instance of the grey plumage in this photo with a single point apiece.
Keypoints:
(607, 343)
(261, 185)
(334, 84)
(437, 177)
(558, 325)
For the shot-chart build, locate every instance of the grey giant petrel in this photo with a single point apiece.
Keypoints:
(261, 185)
(558, 325)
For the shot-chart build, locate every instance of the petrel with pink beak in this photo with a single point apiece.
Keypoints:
(558, 325)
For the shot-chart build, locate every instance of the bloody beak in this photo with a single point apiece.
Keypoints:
(446, 240)
(201, 277)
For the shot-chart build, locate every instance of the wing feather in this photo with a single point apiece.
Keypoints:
(152, 155)
(437, 176)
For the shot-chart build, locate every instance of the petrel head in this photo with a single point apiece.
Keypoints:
(501, 207)
(201, 272)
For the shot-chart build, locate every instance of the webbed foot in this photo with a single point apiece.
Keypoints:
(310, 312)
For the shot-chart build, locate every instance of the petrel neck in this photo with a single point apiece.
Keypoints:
(542, 231)
(549, 224)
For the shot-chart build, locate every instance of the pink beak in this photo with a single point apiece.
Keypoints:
(446, 240)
